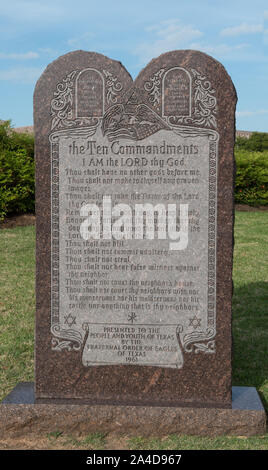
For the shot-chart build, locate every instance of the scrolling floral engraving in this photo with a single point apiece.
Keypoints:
(153, 87)
(66, 339)
(114, 87)
(196, 341)
(205, 102)
(62, 106)
(200, 341)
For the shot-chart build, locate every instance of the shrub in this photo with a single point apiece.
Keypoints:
(258, 142)
(17, 187)
(251, 185)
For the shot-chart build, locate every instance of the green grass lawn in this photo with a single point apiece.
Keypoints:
(17, 306)
(250, 328)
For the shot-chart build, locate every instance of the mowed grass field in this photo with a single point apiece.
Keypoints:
(250, 333)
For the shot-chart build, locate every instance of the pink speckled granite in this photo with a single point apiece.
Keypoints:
(205, 379)
(19, 417)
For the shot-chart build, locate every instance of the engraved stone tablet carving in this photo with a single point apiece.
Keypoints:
(134, 231)
(89, 88)
(177, 92)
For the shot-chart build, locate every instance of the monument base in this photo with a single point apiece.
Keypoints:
(19, 416)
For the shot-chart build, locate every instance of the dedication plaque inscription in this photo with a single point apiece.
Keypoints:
(134, 221)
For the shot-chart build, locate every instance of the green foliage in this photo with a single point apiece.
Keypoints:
(258, 142)
(17, 186)
(251, 186)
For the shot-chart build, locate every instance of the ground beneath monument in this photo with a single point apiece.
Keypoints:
(111, 442)
(18, 221)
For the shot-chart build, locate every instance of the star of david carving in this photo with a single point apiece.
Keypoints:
(195, 322)
(70, 320)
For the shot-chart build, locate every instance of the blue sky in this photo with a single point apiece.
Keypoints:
(34, 33)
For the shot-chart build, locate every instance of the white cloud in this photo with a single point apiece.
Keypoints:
(243, 52)
(171, 35)
(222, 50)
(47, 50)
(251, 113)
(21, 74)
(19, 56)
(243, 28)
(80, 41)
(28, 11)
(167, 36)
(265, 37)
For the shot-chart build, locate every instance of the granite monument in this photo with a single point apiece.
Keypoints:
(135, 217)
